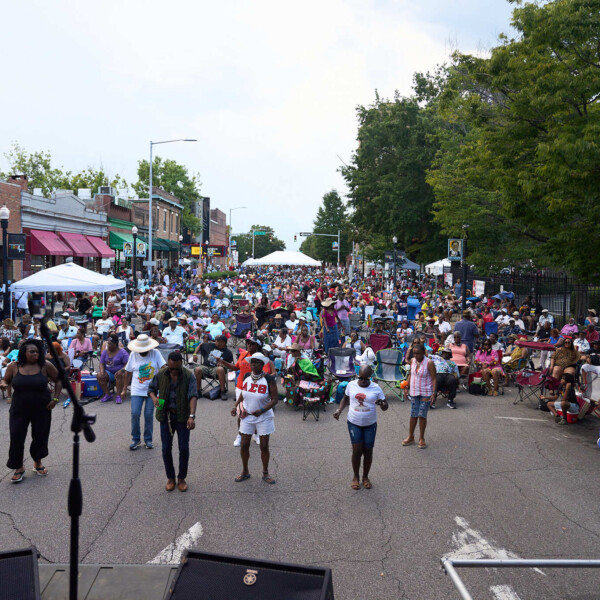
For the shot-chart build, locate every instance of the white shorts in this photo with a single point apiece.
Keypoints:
(238, 391)
(591, 369)
(264, 427)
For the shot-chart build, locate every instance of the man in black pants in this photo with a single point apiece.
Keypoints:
(447, 375)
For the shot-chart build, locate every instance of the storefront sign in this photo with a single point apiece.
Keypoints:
(214, 251)
(16, 246)
(195, 250)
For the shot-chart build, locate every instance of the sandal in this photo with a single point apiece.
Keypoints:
(408, 442)
(355, 484)
(41, 471)
(366, 483)
(18, 476)
(422, 446)
(242, 477)
(267, 478)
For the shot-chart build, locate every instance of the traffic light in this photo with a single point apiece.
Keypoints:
(270, 237)
(295, 238)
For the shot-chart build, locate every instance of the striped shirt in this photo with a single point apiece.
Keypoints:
(420, 379)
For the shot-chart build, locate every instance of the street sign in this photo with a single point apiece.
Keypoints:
(305, 233)
(149, 263)
(260, 233)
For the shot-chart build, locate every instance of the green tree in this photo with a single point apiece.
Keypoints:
(527, 164)
(397, 142)
(175, 179)
(263, 244)
(40, 172)
(331, 217)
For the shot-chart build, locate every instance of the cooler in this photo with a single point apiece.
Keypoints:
(91, 388)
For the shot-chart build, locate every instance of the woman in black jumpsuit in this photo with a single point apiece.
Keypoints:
(31, 404)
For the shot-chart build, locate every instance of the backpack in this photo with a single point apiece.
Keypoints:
(476, 389)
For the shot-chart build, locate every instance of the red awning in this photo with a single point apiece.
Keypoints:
(47, 243)
(79, 245)
(101, 247)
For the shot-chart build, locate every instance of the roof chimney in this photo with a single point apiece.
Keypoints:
(20, 180)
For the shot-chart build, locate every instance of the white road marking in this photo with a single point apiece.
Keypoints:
(171, 555)
(521, 419)
(470, 544)
(504, 592)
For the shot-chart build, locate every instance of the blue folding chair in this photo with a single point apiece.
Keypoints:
(491, 327)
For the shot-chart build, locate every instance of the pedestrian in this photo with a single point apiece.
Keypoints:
(467, 329)
(255, 407)
(143, 364)
(31, 405)
(329, 325)
(174, 395)
(363, 396)
(422, 385)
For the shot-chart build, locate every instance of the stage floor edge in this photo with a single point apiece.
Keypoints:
(107, 582)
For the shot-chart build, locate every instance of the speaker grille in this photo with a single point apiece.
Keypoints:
(19, 578)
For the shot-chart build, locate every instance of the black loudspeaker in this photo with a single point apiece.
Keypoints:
(19, 578)
(204, 576)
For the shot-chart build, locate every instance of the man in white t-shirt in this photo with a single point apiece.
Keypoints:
(101, 328)
(174, 333)
(143, 364)
(363, 396)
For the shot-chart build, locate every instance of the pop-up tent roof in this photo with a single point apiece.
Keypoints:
(408, 264)
(67, 277)
(437, 267)
(285, 257)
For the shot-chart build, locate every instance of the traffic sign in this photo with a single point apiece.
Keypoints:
(149, 263)
(305, 233)
(260, 233)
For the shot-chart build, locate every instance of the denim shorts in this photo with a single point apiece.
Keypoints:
(363, 434)
(419, 406)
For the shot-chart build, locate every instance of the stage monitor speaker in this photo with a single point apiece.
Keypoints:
(205, 576)
(19, 578)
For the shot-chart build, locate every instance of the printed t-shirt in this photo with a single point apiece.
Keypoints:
(363, 410)
(117, 362)
(144, 368)
(244, 368)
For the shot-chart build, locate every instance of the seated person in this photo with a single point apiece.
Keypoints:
(565, 359)
(564, 400)
(175, 333)
(486, 360)
(281, 343)
(275, 324)
(447, 375)
(214, 367)
(581, 344)
(81, 347)
(591, 362)
(496, 345)
(215, 328)
(513, 354)
(353, 341)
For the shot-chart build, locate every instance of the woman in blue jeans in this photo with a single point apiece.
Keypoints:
(143, 364)
(329, 325)
(363, 396)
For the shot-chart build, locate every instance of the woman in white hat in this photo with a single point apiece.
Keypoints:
(255, 407)
(143, 364)
(329, 325)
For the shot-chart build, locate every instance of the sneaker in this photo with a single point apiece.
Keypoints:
(562, 421)
(451, 404)
(134, 445)
(223, 394)
(432, 406)
(256, 439)
(106, 398)
(238, 441)
(148, 445)
(118, 400)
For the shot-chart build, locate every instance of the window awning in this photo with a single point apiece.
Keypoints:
(47, 243)
(116, 239)
(160, 245)
(79, 244)
(173, 246)
(101, 247)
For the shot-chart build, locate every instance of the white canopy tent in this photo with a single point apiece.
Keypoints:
(437, 267)
(248, 262)
(286, 257)
(68, 277)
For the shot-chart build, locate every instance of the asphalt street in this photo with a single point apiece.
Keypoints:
(496, 480)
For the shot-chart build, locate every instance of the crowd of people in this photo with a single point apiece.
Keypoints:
(161, 346)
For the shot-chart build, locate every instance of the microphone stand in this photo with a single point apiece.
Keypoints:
(81, 422)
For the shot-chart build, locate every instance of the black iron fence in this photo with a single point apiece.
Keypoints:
(561, 294)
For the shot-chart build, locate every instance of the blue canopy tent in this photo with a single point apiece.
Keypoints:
(504, 296)
(409, 264)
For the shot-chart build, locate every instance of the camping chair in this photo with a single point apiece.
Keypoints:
(243, 327)
(530, 384)
(340, 366)
(208, 383)
(590, 395)
(355, 321)
(312, 391)
(491, 327)
(379, 341)
(389, 371)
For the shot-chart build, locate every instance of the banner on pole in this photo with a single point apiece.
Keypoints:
(448, 279)
(455, 249)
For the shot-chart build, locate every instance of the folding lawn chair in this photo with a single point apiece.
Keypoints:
(313, 390)
(207, 382)
(379, 341)
(491, 327)
(355, 321)
(389, 371)
(340, 366)
(530, 384)
(243, 327)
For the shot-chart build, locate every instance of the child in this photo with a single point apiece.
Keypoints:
(566, 401)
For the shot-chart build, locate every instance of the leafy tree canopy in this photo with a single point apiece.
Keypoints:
(263, 244)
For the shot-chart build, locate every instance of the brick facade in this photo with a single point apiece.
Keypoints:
(10, 195)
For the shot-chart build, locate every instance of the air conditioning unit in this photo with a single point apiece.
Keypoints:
(106, 190)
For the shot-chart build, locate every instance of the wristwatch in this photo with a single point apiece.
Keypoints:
(193, 416)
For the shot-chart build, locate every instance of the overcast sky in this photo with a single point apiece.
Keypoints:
(269, 88)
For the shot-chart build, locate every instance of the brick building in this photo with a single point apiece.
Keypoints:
(10, 196)
(218, 235)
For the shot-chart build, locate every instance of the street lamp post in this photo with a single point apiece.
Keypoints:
(395, 240)
(4, 216)
(134, 232)
(180, 263)
(150, 201)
